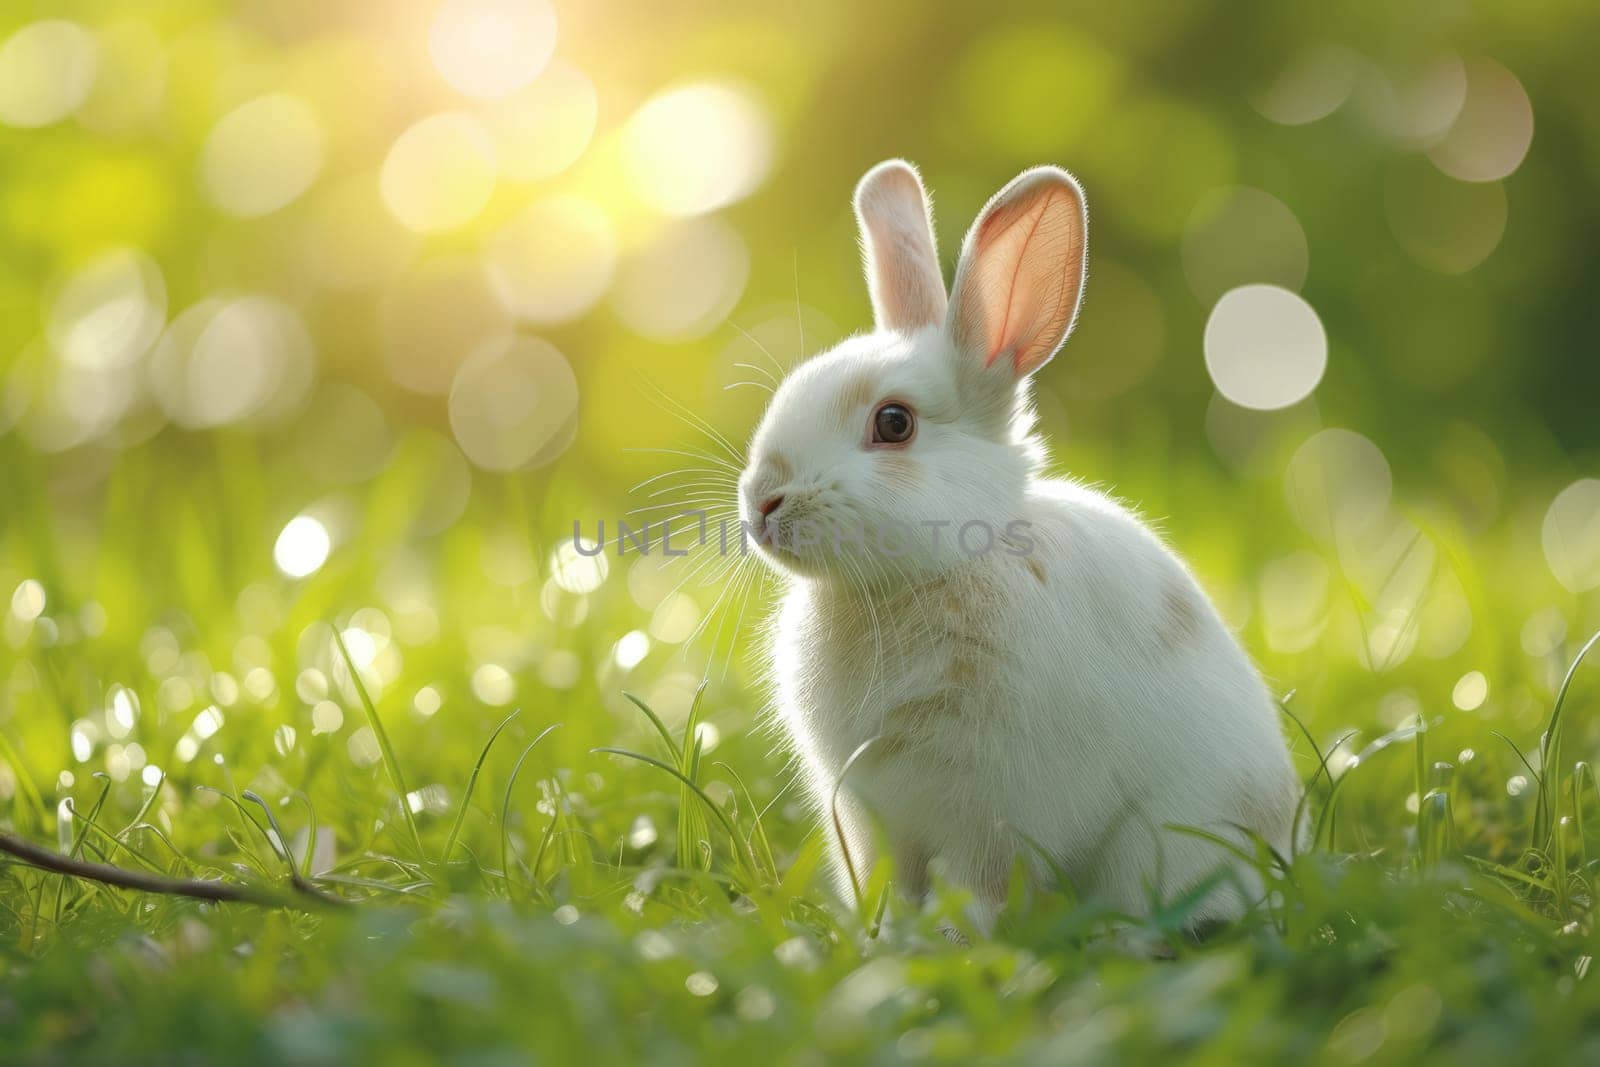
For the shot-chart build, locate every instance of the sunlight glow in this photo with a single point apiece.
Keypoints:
(683, 284)
(554, 260)
(489, 48)
(697, 148)
(541, 130)
(439, 173)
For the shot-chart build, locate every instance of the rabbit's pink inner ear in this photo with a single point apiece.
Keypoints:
(1021, 272)
(898, 248)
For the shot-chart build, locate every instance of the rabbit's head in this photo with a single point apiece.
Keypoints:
(875, 456)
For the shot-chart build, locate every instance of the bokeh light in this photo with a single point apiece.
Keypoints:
(349, 239)
(1445, 225)
(436, 316)
(1571, 535)
(514, 404)
(1241, 235)
(542, 129)
(302, 547)
(47, 70)
(1310, 87)
(488, 48)
(1338, 485)
(682, 284)
(1414, 106)
(343, 435)
(439, 173)
(1491, 135)
(1294, 594)
(1265, 347)
(697, 148)
(28, 600)
(130, 79)
(493, 684)
(227, 360)
(1470, 691)
(262, 155)
(110, 311)
(553, 261)
(577, 573)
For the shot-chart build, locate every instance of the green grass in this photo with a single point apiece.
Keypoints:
(616, 865)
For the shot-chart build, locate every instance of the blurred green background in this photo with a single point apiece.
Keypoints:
(318, 314)
(410, 271)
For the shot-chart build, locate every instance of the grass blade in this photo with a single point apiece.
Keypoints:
(655, 720)
(1550, 753)
(505, 803)
(727, 824)
(390, 762)
(472, 783)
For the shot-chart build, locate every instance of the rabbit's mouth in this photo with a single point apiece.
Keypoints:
(788, 535)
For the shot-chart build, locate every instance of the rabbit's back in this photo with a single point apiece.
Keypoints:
(1074, 689)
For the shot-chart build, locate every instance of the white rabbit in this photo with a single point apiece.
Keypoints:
(1071, 690)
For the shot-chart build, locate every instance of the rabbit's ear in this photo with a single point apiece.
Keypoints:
(897, 248)
(1021, 272)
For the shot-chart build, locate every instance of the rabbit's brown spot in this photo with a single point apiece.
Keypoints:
(962, 670)
(888, 747)
(855, 393)
(1180, 616)
(1036, 569)
(900, 467)
(924, 711)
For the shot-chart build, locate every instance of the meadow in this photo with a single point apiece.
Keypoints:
(309, 364)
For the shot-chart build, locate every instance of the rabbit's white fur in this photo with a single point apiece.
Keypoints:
(1071, 691)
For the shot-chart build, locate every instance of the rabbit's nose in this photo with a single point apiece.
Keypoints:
(769, 505)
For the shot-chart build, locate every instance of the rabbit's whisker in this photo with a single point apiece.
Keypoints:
(759, 370)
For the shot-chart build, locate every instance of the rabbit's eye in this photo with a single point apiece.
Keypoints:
(893, 425)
